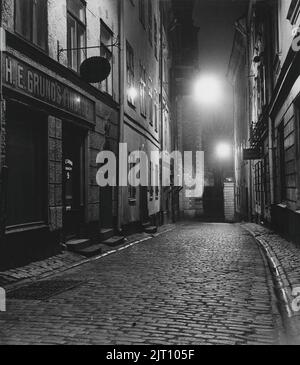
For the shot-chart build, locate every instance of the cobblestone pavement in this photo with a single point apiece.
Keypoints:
(285, 260)
(199, 284)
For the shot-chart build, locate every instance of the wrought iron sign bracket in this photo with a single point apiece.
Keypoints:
(60, 50)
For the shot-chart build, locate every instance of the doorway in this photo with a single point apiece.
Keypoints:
(73, 180)
(144, 213)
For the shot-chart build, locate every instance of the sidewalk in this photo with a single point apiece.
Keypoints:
(284, 260)
(67, 260)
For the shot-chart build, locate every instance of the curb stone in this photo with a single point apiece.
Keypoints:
(283, 286)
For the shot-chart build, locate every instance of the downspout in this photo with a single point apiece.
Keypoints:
(161, 112)
(121, 16)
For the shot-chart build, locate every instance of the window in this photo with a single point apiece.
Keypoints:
(282, 162)
(106, 39)
(27, 175)
(143, 91)
(76, 33)
(275, 44)
(130, 73)
(155, 38)
(131, 189)
(156, 182)
(257, 182)
(142, 10)
(261, 90)
(151, 185)
(150, 102)
(156, 117)
(31, 21)
(150, 21)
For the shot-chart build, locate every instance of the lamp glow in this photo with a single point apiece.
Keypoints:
(132, 93)
(208, 90)
(223, 151)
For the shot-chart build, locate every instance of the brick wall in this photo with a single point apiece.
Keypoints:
(229, 208)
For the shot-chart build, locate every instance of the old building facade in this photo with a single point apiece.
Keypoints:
(54, 124)
(270, 86)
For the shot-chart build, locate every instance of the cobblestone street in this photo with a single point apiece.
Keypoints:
(199, 284)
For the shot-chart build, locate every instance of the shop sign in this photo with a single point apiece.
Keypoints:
(251, 154)
(24, 78)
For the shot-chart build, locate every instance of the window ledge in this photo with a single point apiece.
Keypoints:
(26, 227)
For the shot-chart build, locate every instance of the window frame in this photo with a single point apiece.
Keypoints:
(31, 41)
(143, 102)
(108, 51)
(78, 23)
(130, 72)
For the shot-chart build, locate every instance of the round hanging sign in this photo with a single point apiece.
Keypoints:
(95, 69)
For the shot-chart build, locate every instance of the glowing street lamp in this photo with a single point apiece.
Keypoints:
(223, 151)
(132, 93)
(208, 90)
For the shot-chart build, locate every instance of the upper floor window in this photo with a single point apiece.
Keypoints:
(31, 21)
(150, 101)
(130, 73)
(142, 10)
(143, 91)
(106, 38)
(76, 33)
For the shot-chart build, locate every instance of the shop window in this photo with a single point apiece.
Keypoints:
(106, 39)
(31, 21)
(76, 33)
(27, 162)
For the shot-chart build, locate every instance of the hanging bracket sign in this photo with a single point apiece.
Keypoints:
(251, 154)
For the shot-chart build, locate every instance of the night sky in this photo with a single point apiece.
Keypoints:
(215, 19)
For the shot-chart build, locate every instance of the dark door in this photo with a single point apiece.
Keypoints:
(73, 152)
(106, 207)
(213, 204)
(144, 204)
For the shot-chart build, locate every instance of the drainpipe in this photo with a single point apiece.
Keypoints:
(161, 111)
(121, 7)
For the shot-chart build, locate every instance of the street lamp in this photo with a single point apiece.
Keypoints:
(132, 93)
(223, 151)
(208, 90)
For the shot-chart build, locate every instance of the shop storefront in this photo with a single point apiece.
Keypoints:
(48, 122)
